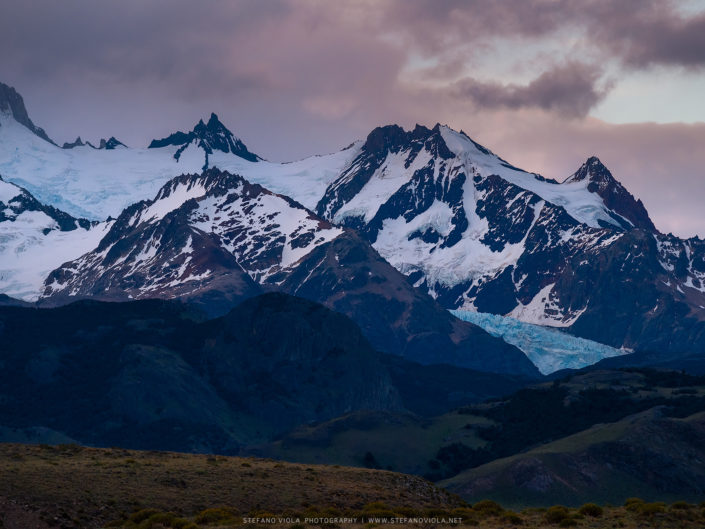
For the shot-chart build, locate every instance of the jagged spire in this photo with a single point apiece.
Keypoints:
(11, 102)
(211, 136)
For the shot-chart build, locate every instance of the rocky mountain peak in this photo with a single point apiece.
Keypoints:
(78, 142)
(11, 102)
(211, 136)
(613, 193)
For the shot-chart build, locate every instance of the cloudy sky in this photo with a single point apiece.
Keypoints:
(543, 83)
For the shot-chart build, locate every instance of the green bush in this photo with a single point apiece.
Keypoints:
(681, 505)
(633, 504)
(567, 522)
(488, 508)
(407, 512)
(556, 514)
(591, 509)
(512, 518)
(462, 512)
(142, 515)
(649, 509)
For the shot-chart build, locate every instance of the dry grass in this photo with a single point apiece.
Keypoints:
(84, 487)
(71, 486)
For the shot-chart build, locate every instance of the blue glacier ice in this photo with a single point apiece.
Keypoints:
(548, 348)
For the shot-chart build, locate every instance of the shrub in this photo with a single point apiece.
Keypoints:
(462, 512)
(142, 515)
(649, 509)
(407, 512)
(166, 519)
(556, 514)
(513, 518)
(591, 509)
(633, 504)
(216, 515)
(681, 505)
(567, 522)
(488, 508)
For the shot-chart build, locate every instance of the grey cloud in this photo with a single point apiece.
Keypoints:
(651, 34)
(639, 33)
(571, 90)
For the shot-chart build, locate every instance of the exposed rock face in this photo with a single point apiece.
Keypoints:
(211, 136)
(11, 102)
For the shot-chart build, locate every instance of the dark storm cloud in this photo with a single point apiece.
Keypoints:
(120, 42)
(651, 33)
(639, 33)
(330, 58)
(571, 90)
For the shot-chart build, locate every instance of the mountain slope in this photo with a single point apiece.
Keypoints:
(35, 239)
(200, 233)
(205, 234)
(645, 455)
(148, 374)
(475, 232)
(481, 235)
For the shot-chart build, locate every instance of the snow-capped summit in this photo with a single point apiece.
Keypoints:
(392, 158)
(480, 234)
(211, 136)
(475, 231)
(198, 229)
(614, 195)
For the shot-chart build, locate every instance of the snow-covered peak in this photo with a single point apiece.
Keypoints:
(262, 233)
(591, 168)
(391, 156)
(598, 180)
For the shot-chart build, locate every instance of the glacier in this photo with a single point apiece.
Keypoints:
(549, 349)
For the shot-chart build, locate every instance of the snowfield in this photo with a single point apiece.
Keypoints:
(97, 184)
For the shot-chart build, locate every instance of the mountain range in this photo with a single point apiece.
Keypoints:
(193, 296)
(199, 216)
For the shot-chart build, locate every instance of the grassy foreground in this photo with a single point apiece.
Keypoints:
(68, 486)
